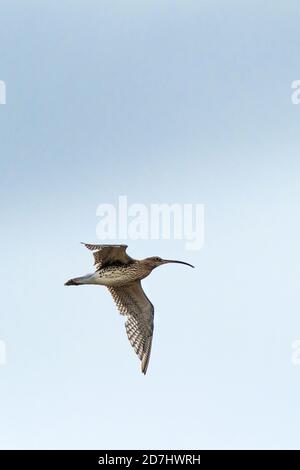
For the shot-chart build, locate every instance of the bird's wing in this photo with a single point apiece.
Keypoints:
(108, 254)
(133, 302)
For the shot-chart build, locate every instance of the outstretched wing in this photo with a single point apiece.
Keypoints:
(105, 255)
(133, 302)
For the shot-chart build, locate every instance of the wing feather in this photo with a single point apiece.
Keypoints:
(105, 255)
(133, 302)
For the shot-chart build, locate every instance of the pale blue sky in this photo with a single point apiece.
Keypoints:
(162, 101)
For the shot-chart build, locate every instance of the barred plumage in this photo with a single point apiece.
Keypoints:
(132, 302)
(122, 275)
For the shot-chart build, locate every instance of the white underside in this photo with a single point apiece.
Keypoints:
(102, 280)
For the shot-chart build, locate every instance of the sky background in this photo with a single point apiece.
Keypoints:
(164, 102)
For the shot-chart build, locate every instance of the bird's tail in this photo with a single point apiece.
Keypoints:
(72, 282)
(77, 281)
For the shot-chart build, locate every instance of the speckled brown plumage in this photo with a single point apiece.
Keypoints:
(122, 275)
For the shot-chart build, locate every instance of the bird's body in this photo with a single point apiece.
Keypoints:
(122, 274)
(117, 274)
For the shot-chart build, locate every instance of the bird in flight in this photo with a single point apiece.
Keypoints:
(122, 275)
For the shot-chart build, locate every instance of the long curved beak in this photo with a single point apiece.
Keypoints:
(165, 261)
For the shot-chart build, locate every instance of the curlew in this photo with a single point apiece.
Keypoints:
(122, 275)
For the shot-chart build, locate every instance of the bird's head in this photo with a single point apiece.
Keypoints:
(155, 261)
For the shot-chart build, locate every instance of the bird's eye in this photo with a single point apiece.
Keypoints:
(157, 258)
